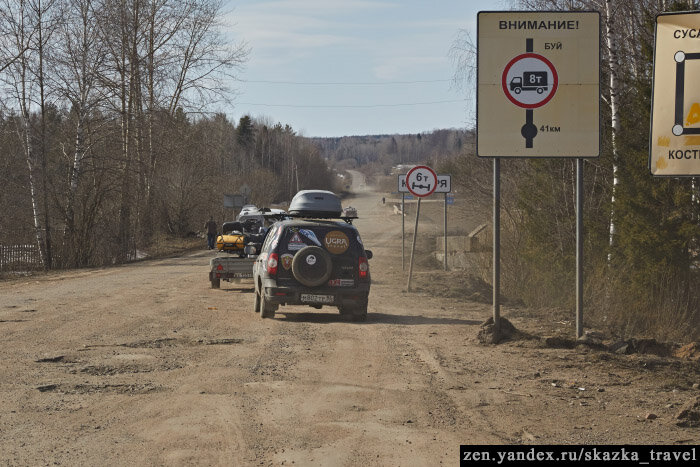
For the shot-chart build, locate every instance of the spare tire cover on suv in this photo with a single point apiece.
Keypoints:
(312, 266)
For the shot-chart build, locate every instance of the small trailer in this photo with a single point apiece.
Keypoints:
(229, 268)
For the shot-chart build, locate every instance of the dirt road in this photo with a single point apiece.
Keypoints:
(147, 364)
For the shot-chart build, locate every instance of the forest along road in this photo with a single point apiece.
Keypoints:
(145, 363)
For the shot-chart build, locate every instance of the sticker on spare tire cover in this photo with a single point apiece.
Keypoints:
(310, 235)
(336, 242)
(295, 243)
(287, 261)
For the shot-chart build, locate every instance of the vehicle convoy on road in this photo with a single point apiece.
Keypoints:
(232, 238)
(314, 258)
(247, 231)
(143, 363)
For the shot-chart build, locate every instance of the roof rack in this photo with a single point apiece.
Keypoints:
(310, 215)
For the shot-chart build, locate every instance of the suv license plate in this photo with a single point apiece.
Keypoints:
(312, 298)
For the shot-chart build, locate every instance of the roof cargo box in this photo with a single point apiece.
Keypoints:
(315, 203)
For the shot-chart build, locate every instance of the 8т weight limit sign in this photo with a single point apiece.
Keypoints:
(538, 84)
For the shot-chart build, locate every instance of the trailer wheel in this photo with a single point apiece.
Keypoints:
(540, 90)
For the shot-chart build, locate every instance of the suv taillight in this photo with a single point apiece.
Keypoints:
(363, 268)
(272, 264)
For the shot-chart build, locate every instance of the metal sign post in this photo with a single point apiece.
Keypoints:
(443, 185)
(445, 245)
(403, 231)
(579, 248)
(413, 247)
(556, 82)
(496, 245)
(421, 181)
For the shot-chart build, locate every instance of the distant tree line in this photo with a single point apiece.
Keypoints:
(376, 154)
(106, 139)
(642, 234)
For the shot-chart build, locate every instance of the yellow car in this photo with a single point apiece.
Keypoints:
(232, 238)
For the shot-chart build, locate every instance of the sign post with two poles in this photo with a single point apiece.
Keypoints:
(443, 185)
(422, 181)
(538, 93)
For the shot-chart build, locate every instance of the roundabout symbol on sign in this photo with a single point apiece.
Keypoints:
(421, 181)
(530, 80)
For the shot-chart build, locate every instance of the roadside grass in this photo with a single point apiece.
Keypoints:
(665, 311)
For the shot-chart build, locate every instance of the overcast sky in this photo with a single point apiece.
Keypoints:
(349, 67)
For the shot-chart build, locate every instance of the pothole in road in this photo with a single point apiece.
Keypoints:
(152, 344)
(110, 370)
(116, 365)
(101, 388)
(172, 342)
(56, 359)
(219, 341)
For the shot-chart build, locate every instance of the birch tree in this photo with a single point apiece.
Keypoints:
(27, 27)
(78, 65)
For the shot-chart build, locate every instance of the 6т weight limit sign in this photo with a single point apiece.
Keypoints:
(538, 81)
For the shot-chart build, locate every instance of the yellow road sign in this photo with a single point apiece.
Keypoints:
(674, 145)
(538, 84)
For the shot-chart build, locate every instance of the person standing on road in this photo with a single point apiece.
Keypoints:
(210, 226)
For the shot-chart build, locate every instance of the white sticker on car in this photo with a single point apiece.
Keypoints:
(341, 283)
(295, 243)
(310, 235)
(311, 260)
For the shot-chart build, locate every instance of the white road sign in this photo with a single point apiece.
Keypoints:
(421, 181)
(538, 84)
(444, 184)
(674, 146)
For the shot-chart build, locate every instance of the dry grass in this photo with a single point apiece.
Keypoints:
(166, 245)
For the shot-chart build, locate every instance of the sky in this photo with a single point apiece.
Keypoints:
(352, 67)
